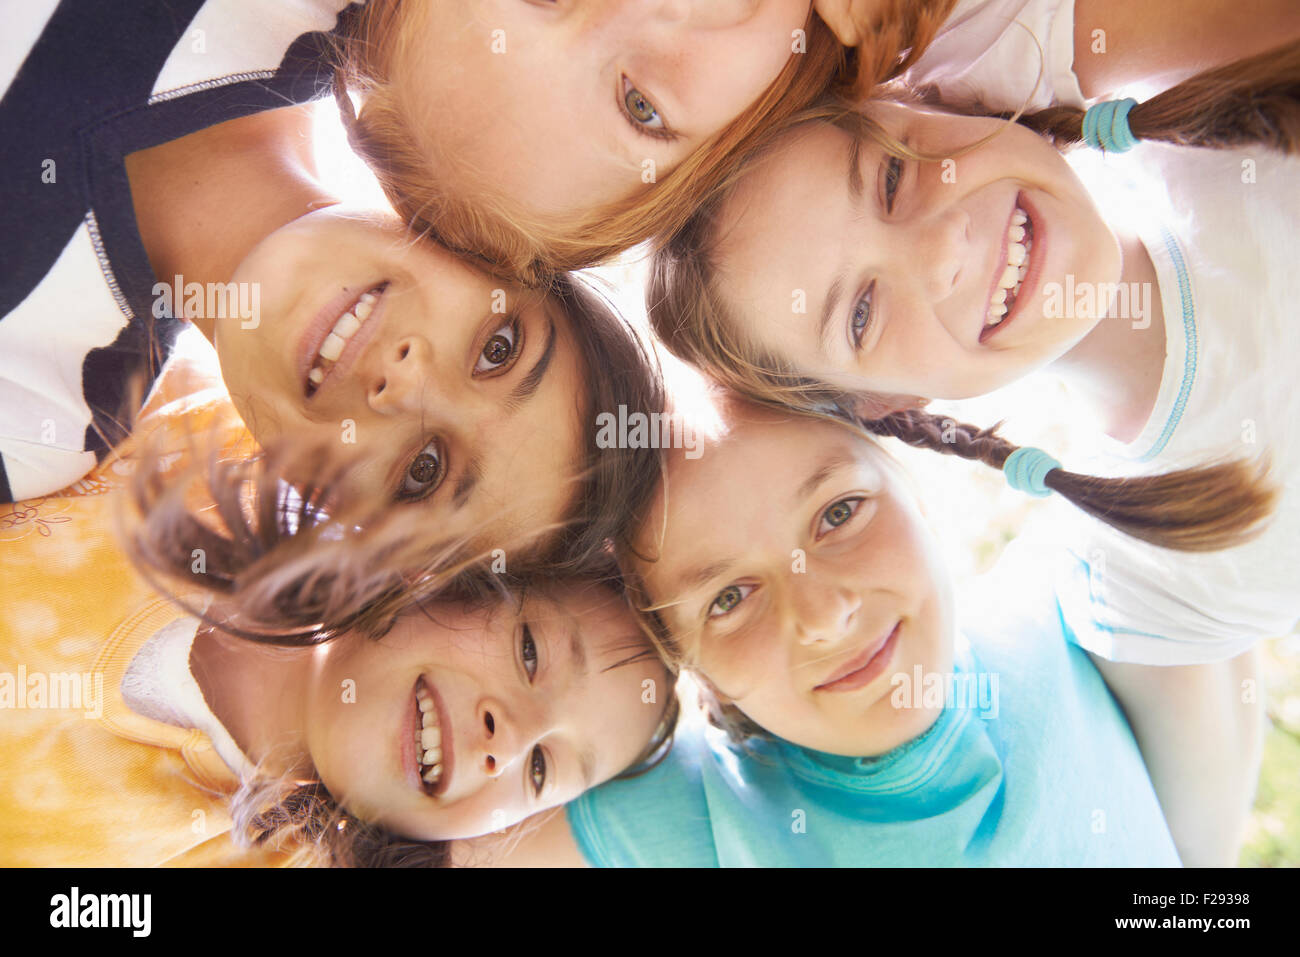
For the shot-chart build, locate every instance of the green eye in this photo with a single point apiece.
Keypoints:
(728, 599)
(638, 106)
(838, 514)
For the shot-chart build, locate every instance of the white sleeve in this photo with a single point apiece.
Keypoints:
(988, 54)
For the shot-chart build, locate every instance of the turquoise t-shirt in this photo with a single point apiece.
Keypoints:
(1030, 763)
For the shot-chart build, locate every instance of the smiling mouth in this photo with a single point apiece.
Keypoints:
(336, 340)
(434, 772)
(864, 667)
(1007, 284)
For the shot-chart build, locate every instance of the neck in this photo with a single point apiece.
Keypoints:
(1116, 368)
(259, 694)
(202, 202)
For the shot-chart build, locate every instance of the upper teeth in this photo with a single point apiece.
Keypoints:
(338, 337)
(1019, 245)
(428, 737)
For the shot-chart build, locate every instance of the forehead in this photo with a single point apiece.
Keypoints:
(781, 228)
(759, 471)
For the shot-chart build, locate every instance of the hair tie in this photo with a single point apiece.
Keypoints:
(1105, 126)
(1026, 468)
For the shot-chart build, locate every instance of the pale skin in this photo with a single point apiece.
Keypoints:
(924, 336)
(465, 379)
(537, 706)
(564, 107)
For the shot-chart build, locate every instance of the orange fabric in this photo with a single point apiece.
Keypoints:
(91, 783)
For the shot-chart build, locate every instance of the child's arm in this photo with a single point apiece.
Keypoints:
(1163, 42)
(1200, 728)
(544, 840)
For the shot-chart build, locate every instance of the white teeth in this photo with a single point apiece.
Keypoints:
(1010, 276)
(316, 376)
(1018, 218)
(1016, 234)
(426, 704)
(364, 307)
(433, 774)
(347, 326)
(332, 347)
(431, 737)
(999, 296)
(433, 756)
(1015, 254)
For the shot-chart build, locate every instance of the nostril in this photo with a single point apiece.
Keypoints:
(491, 725)
(490, 764)
(404, 351)
(379, 389)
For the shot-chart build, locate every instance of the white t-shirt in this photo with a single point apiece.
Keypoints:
(988, 53)
(1227, 257)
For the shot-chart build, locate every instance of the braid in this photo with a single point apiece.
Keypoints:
(1252, 100)
(1193, 510)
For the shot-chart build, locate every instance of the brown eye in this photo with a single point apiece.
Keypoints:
(501, 349)
(537, 771)
(423, 475)
(497, 350)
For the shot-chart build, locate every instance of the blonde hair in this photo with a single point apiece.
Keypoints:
(430, 191)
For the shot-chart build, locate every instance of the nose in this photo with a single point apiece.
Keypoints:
(503, 738)
(945, 247)
(397, 380)
(824, 611)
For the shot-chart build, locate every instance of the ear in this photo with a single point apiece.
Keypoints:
(877, 405)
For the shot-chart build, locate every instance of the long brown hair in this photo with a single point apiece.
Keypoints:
(429, 194)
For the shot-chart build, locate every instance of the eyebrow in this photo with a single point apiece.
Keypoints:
(528, 388)
(831, 464)
(701, 574)
(468, 479)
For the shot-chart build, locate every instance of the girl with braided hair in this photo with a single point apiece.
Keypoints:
(866, 258)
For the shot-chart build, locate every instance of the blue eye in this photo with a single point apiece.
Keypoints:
(728, 599)
(893, 176)
(860, 321)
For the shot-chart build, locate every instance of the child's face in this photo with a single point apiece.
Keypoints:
(451, 388)
(891, 287)
(563, 104)
(799, 577)
(528, 715)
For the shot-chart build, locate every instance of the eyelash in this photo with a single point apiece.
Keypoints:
(893, 176)
(515, 341)
(536, 769)
(858, 333)
(660, 132)
(430, 450)
(717, 599)
(855, 503)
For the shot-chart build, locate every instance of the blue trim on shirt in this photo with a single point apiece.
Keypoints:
(1095, 599)
(1189, 329)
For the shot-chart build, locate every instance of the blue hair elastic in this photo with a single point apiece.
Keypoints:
(1105, 126)
(1026, 468)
